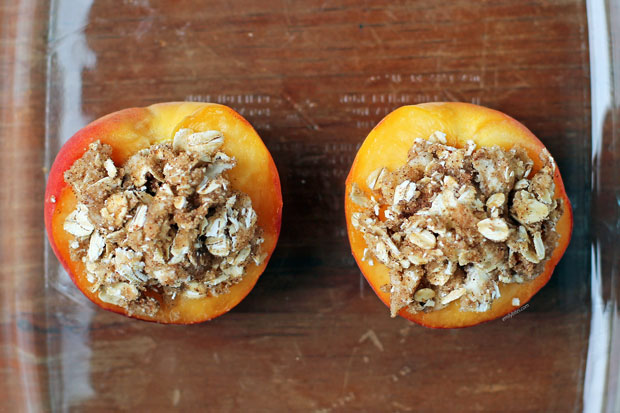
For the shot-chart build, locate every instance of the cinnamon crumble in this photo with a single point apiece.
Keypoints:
(455, 223)
(165, 224)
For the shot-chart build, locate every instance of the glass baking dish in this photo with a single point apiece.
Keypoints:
(313, 78)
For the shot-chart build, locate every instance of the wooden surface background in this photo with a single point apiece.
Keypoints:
(313, 77)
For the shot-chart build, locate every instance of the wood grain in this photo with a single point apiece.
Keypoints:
(22, 109)
(313, 77)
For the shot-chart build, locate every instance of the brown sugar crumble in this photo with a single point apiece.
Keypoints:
(454, 223)
(166, 224)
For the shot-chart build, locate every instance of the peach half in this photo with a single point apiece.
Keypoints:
(130, 130)
(388, 144)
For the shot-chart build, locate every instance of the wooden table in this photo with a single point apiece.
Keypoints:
(313, 77)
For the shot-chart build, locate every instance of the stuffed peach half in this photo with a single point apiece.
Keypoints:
(167, 213)
(456, 213)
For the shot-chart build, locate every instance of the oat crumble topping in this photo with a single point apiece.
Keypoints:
(454, 223)
(165, 224)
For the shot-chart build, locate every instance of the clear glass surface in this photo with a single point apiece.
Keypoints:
(313, 78)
